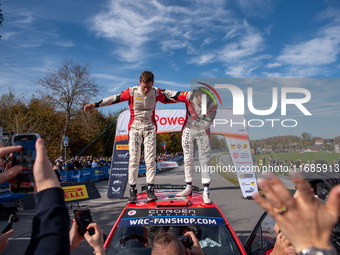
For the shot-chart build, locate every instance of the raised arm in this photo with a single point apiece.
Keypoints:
(123, 96)
(167, 96)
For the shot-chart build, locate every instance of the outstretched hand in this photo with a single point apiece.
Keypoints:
(88, 107)
(304, 220)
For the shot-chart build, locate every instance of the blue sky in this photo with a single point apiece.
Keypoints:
(179, 40)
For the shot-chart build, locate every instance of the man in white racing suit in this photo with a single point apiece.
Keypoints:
(142, 102)
(197, 127)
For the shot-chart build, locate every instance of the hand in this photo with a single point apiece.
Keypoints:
(282, 246)
(75, 237)
(306, 222)
(88, 107)
(196, 248)
(12, 171)
(96, 240)
(4, 239)
(43, 173)
(191, 109)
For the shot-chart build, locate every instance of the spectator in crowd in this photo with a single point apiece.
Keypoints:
(76, 163)
(167, 244)
(70, 165)
(82, 163)
(102, 161)
(335, 165)
(109, 162)
(303, 220)
(58, 165)
(88, 161)
(51, 220)
(57, 168)
(94, 163)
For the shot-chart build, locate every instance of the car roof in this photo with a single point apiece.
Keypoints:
(169, 210)
(167, 198)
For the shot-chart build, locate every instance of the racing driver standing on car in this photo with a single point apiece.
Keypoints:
(142, 102)
(197, 127)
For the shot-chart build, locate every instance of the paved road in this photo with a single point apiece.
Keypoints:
(242, 214)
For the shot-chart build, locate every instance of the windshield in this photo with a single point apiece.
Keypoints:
(139, 240)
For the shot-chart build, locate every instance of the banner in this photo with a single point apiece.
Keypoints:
(73, 192)
(167, 121)
(166, 164)
(239, 148)
(6, 195)
(172, 120)
(85, 175)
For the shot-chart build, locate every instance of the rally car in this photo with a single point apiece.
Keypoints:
(136, 226)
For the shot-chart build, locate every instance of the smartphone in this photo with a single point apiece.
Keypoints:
(8, 227)
(24, 181)
(83, 219)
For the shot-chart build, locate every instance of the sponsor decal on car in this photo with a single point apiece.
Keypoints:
(162, 221)
(132, 212)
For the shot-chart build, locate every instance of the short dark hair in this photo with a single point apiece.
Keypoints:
(146, 76)
(166, 243)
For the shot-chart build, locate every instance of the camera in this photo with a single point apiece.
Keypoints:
(6, 141)
(7, 138)
(186, 241)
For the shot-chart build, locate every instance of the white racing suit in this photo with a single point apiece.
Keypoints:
(196, 127)
(142, 125)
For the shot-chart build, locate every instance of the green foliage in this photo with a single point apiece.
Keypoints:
(217, 142)
(289, 141)
(172, 142)
(329, 157)
(40, 115)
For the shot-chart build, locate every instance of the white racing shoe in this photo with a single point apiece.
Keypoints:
(185, 193)
(206, 197)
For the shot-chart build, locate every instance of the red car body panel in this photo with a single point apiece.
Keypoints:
(167, 200)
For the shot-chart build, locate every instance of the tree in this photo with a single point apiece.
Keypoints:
(13, 114)
(306, 139)
(47, 122)
(1, 19)
(70, 87)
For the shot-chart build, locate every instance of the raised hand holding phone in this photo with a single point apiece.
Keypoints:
(44, 175)
(83, 219)
(24, 182)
